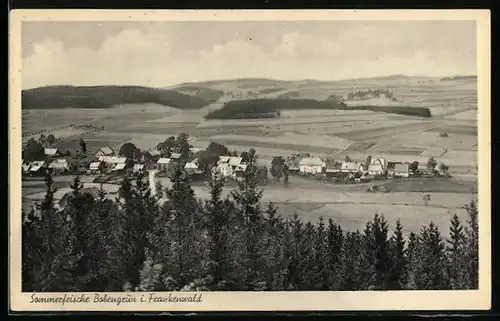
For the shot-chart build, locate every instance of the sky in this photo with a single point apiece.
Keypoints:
(162, 54)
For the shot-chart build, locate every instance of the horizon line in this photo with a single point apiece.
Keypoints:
(262, 78)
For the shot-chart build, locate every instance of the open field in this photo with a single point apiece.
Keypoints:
(470, 114)
(426, 139)
(350, 207)
(287, 139)
(456, 129)
(412, 218)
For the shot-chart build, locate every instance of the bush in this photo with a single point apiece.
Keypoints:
(443, 134)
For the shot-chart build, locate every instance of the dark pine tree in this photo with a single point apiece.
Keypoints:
(320, 250)
(472, 234)
(48, 247)
(432, 274)
(217, 230)
(413, 267)
(247, 197)
(398, 271)
(335, 237)
(181, 211)
(457, 256)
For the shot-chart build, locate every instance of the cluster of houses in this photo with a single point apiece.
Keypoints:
(106, 161)
(374, 166)
(52, 160)
(230, 167)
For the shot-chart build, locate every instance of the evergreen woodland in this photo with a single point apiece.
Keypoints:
(233, 243)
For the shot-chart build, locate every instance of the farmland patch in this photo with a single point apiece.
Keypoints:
(435, 185)
(456, 129)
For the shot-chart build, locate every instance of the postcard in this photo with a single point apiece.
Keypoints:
(249, 160)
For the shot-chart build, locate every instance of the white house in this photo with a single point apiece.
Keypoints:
(119, 167)
(59, 165)
(402, 170)
(224, 169)
(26, 167)
(175, 156)
(163, 164)
(36, 166)
(51, 152)
(191, 167)
(311, 165)
(235, 161)
(377, 166)
(95, 167)
(351, 167)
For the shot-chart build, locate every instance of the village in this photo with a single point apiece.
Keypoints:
(108, 165)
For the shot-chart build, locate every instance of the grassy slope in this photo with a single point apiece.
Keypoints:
(107, 96)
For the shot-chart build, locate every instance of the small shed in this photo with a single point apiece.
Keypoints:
(175, 156)
(163, 164)
(51, 152)
(59, 165)
(151, 156)
(96, 167)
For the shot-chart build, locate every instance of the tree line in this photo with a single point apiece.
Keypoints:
(229, 243)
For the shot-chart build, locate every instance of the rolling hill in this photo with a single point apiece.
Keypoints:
(54, 97)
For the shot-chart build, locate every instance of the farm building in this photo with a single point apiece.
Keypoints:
(115, 163)
(25, 167)
(51, 152)
(400, 170)
(59, 165)
(351, 167)
(121, 163)
(235, 161)
(105, 151)
(151, 156)
(175, 156)
(163, 164)
(96, 167)
(311, 165)
(377, 166)
(192, 167)
(36, 167)
(138, 168)
(224, 169)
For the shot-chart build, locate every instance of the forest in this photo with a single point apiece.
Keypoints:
(269, 108)
(53, 97)
(233, 243)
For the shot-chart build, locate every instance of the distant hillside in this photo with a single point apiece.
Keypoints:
(106, 97)
(208, 94)
(466, 77)
(269, 108)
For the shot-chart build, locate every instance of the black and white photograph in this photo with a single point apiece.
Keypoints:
(250, 155)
